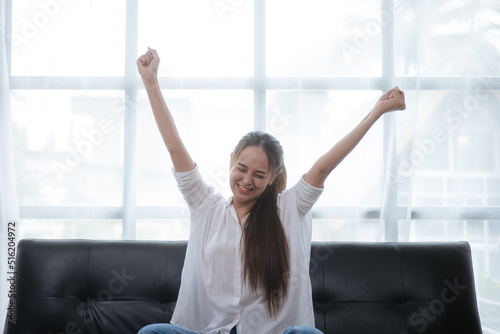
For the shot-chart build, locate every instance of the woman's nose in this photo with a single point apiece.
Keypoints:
(247, 179)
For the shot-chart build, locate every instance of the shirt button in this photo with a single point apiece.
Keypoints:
(238, 271)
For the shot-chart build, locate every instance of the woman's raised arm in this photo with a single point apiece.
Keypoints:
(392, 100)
(147, 64)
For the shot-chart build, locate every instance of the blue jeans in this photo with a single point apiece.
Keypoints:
(172, 329)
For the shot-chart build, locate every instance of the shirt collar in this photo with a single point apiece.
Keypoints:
(229, 201)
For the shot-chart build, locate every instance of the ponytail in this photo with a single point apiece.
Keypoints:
(266, 255)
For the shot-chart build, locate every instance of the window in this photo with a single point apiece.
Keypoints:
(91, 164)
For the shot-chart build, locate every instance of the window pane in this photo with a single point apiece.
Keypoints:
(449, 153)
(346, 230)
(309, 123)
(199, 38)
(68, 38)
(453, 38)
(68, 147)
(210, 124)
(70, 229)
(162, 229)
(483, 236)
(324, 38)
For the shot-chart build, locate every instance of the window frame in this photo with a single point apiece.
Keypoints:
(260, 84)
(390, 213)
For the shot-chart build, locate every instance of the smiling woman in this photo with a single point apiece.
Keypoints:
(83, 161)
(255, 241)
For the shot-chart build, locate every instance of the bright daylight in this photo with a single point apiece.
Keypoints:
(250, 166)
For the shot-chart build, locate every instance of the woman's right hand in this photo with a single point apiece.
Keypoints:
(148, 64)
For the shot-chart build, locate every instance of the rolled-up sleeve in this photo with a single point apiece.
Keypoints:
(193, 188)
(307, 195)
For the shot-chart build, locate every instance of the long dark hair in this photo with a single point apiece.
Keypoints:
(266, 256)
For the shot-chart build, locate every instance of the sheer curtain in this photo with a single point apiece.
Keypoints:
(89, 162)
(9, 213)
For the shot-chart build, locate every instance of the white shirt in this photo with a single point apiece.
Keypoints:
(213, 297)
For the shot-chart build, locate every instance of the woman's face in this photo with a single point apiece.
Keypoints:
(250, 175)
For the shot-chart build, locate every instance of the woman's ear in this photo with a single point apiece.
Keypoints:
(272, 179)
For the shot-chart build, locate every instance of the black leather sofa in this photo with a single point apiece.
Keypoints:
(84, 286)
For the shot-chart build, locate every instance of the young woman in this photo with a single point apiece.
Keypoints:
(247, 263)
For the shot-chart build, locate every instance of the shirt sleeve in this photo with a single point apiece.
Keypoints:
(192, 187)
(305, 195)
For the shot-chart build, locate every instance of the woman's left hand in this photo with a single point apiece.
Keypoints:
(392, 100)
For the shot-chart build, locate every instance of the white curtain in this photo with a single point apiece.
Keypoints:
(9, 212)
(88, 161)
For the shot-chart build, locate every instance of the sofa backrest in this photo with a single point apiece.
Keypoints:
(85, 286)
(397, 288)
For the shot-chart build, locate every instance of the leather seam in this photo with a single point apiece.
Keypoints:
(323, 274)
(87, 282)
(398, 251)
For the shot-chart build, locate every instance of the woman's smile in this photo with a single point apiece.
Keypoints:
(244, 189)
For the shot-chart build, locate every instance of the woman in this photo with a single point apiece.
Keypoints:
(247, 263)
